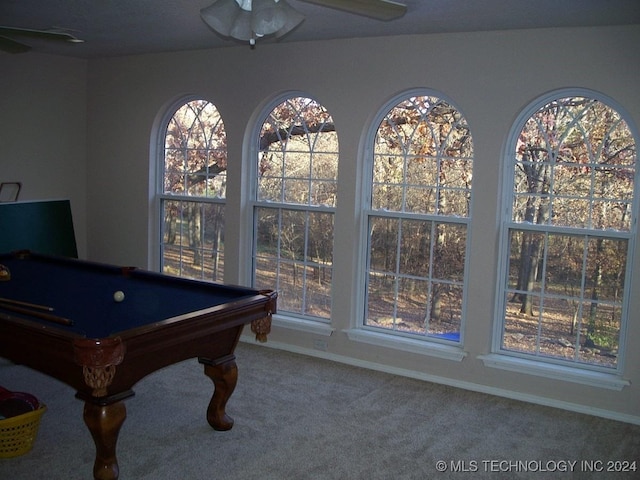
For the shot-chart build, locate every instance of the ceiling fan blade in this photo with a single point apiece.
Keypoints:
(378, 9)
(11, 46)
(43, 34)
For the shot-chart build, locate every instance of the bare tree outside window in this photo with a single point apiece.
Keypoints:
(417, 225)
(569, 233)
(296, 189)
(193, 192)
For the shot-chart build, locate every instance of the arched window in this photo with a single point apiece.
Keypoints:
(422, 157)
(568, 229)
(194, 164)
(296, 189)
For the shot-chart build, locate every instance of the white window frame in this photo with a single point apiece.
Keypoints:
(550, 367)
(290, 320)
(161, 195)
(428, 345)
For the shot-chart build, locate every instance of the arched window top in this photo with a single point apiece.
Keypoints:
(421, 155)
(192, 191)
(574, 164)
(297, 117)
(195, 151)
(298, 154)
(422, 158)
(568, 231)
(296, 189)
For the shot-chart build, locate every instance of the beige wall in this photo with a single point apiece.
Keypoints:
(43, 104)
(490, 76)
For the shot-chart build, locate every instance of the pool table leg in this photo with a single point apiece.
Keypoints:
(224, 373)
(104, 422)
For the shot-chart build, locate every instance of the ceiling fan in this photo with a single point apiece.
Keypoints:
(8, 42)
(247, 20)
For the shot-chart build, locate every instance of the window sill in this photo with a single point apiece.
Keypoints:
(421, 347)
(557, 372)
(302, 325)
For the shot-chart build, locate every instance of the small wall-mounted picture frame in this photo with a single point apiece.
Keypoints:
(9, 191)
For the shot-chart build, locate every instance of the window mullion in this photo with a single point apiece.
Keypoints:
(410, 180)
(287, 176)
(582, 233)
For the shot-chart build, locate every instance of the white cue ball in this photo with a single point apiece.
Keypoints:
(118, 296)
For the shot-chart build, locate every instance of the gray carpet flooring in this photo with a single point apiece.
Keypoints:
(304, 418)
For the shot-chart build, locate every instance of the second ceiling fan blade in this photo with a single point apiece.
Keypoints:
(378, 9)
(43, 34)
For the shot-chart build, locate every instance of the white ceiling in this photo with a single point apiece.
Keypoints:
(124, 27)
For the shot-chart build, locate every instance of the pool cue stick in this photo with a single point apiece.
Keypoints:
(33, 313)
(26, 304)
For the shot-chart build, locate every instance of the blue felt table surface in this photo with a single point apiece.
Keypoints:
(84, 293)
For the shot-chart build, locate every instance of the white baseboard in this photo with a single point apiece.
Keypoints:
(499, 392)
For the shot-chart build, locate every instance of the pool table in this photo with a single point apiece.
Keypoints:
(101, 328)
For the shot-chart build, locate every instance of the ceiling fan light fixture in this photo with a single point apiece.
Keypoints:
(247, 20)
(221, 16)
(268, 16)
(241, 28)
